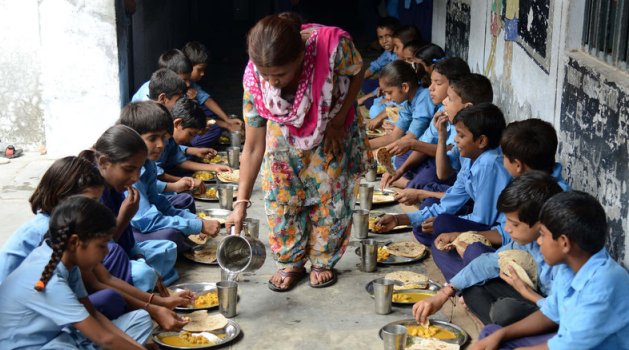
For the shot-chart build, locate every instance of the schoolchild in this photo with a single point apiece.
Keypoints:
(44, 304)
(418, 168)
(174, 60)
(156, 218)
(589, 285)
(481, 179)
(119, 154)
(490, 296)
(198, 55)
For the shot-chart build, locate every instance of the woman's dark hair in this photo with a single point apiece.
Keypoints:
(82, 216)
(66, 177)
(117, 144)
(167, 82)
(397, 72)
(532, 141)
(196, 52)
(483, 119)
(145, 117)
(526, 194)
(275, 40)
(453, 68)
(190, 114)
(430, 54)
(578, 216)
(176, 61)
(407, 33)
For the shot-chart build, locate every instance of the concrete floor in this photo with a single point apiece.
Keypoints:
(338, 317)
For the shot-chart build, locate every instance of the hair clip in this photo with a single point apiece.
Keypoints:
(435, 60)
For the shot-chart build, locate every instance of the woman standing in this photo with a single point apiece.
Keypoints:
(300, 88)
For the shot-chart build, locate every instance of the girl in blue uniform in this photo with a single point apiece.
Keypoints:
(44, 304)
(119, 155)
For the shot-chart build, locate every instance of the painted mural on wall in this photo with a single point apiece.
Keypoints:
(595, 134)
(534, 30)
(457, 29)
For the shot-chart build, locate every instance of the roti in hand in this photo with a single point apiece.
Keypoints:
(384, 157)
(523, 264)
(407, 249)
(197, 238)
(410, 279)
(202, 321)
(468, 237)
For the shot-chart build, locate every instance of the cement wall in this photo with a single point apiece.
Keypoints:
(542, 73)
(59, 68)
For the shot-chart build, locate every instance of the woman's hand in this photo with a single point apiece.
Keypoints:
(130, 205)
(333, 139)
(236, 218)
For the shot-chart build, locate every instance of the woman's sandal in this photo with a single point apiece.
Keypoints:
(327, 283)
(296, 275)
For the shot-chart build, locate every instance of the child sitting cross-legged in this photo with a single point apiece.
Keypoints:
(526, 145)
(488, 297)
(464, 92)
(198, 55)
(188, 121)
(44, 304)
(157, 218)
(587, 305)
(481, 179)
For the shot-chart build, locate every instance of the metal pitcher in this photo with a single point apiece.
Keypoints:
(240, 253)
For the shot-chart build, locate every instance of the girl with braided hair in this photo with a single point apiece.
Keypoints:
(44, 304)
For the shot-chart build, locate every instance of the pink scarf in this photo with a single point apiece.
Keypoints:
(303, 123)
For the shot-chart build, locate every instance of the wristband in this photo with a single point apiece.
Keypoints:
(146, 306)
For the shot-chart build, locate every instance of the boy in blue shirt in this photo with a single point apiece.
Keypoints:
(385, 28)
(176, 61)
(490, 298)
(188, 121)
(469, 90)
(587, 305)
(526, 145)
(198, 56)
(481, 179)
(157, 218)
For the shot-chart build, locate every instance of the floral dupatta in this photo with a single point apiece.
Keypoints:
(303, 122)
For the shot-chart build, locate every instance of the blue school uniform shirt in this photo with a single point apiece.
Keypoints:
(385, 58)
(555, 174)
(156, 212)
(416, 115)
(481, 180)
(591, 306)
(30, 319)
(172, 156)
(142, 94)
(113, 199)
(202, 95)
(28, 237)
(485, 267)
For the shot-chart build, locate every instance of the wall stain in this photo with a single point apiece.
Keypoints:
(593, 145)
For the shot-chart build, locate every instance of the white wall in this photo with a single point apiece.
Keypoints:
(64, 55)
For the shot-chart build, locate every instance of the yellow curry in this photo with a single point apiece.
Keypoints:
(206, 300)
(430, 332)
(383, 253)
(410, 297)
(185, 339)
(203, 175)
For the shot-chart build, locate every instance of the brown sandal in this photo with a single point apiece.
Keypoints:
(327, 283)
(296, 276)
